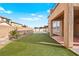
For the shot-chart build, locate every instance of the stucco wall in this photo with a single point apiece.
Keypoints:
(4, 30)
(59, 9)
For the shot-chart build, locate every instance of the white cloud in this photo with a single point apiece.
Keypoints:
(33, 17)
(2, 10)
(8, 12)
(30, 19)
(40, 16)
(36, 18)
(37, 15)
(33, 14)
(48, 11)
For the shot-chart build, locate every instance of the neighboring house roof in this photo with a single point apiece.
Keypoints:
(24, 28)
(13, 24)
(5, 24)
(1, 17)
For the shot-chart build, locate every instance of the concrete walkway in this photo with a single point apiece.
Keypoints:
(4, 41)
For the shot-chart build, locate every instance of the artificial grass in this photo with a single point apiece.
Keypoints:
(30, 46)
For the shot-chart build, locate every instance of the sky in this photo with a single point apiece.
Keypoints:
(30, 14)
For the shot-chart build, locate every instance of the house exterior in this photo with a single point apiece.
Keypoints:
(41, 29)
(67, 14)
(36, 29)
(5, 28)
(21, 28)
(6, 25)
(46, 28)
(2, 19)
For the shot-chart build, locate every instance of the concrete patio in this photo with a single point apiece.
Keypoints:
(60, 40)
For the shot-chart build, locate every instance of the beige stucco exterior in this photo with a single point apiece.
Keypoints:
(5, 27)
(2, 19)
(4, 30)
(41, 29)
(66, 14)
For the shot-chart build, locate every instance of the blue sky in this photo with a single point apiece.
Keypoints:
(30, 14)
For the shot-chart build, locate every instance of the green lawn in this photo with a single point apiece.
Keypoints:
(31, 46)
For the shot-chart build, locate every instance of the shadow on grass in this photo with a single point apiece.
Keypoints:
(50, 44)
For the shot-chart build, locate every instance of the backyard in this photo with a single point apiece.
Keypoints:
(35, 45)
